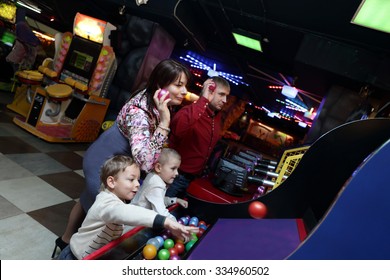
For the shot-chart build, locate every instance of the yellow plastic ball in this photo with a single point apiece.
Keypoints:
(149, 252)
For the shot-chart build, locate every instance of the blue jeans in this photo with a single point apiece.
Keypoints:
(178, 187)
(66, 254)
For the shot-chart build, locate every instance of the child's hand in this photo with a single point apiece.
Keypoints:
(179, 230)
(182, 202)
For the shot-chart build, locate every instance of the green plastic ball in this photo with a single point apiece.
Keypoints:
(169, 243)
(163, 254)
(189, 245)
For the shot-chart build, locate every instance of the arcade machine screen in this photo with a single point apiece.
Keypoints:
(81, 60)
(7, 24)
(7, 38)
(8, 11)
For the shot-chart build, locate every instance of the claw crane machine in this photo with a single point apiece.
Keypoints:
(70, 106)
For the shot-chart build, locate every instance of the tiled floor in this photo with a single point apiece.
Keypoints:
(39, 183)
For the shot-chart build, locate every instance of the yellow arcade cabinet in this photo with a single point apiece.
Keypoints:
(71, 105)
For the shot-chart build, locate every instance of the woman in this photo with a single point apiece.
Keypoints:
(140, 131)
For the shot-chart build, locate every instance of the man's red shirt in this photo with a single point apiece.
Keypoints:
(195, 130)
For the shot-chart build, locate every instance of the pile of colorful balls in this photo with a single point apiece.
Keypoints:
(165, 247)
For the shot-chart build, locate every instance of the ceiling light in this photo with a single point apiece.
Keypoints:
(140, 2)
(122, 10)
(212, 71)
(373, 14)
(29, 6)
(290, 92)
(247, 39)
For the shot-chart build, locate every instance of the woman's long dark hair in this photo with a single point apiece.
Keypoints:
(164, 73)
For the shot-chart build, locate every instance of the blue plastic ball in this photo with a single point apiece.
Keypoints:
(160, 240)
(154, 242)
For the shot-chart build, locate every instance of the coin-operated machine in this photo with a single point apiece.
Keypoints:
(70, 106)
(7, 41)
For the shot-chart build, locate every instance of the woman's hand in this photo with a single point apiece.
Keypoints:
(162, 107)
(180, 231)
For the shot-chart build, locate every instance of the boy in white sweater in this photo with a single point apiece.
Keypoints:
(153, 189)
(109, 213)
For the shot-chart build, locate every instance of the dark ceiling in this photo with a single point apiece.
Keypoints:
(310, 44)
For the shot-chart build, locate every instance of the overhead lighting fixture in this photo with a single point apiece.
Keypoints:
(140, 2)
(122, 10)
(29, 6)
(290, 92)
(247, 39)
(212, 71)
(373, 14)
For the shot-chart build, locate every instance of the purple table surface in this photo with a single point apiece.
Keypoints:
(248, 239)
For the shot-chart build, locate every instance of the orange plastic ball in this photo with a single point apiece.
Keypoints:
(257, 210)
(179, 240)
(149, 252)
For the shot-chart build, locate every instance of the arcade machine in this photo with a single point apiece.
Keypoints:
(7, 40)
(22, 58)
(29, 80)
(70, 106)
(333, 206)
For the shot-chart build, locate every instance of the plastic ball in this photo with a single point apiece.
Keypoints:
(175, 257)
(194, 221)
(179, 240)
(163, 254)
(202, 223)
(173, 251)
(180, 248)
(160, 240)
(200, 232)
(257, 210)
(189, 245)
(169, 243)
(203, 227)
(194, 236)
(162, 92)
(154, 242)
(184, 220)
(149, 251)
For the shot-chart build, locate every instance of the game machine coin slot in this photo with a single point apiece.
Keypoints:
(72, 105)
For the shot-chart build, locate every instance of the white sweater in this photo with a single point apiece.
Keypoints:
(104, 220)
(152, 195)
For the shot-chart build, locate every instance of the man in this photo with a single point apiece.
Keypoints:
(195, 130)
